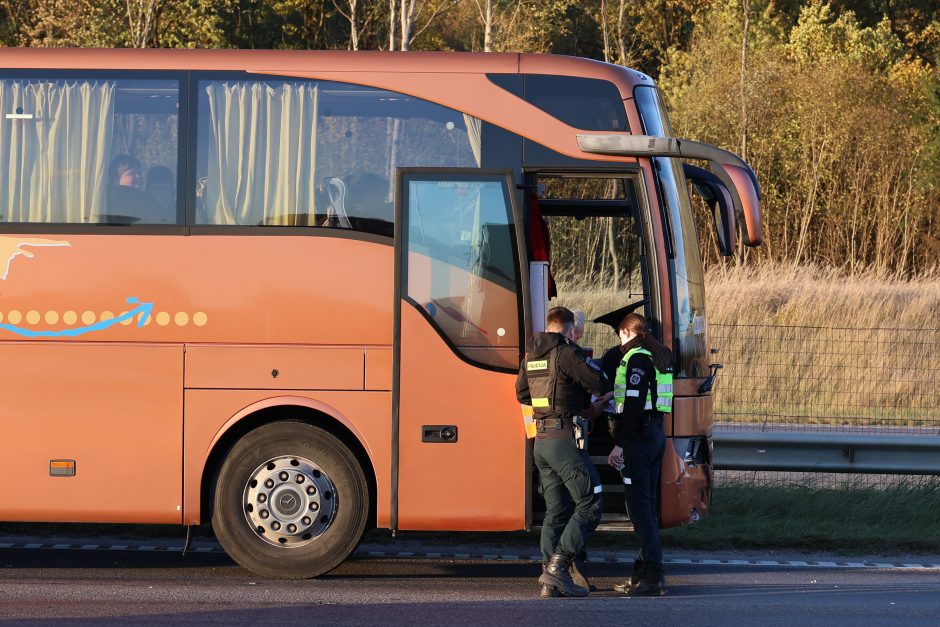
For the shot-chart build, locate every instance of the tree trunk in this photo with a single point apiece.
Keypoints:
(353, 19)
(620, 49)
(353, 25)
(488, 28)
(744, 120)
(141, 19)
(612, 249)
(407, 23)
(391, 23)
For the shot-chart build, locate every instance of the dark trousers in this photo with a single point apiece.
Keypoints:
(644, 459)
(572, 490)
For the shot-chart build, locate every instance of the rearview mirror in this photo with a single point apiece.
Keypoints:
(746, 187)
(719, 201)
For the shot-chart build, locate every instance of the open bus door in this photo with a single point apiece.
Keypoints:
(604, 256)
(598, 261)
(456, 458)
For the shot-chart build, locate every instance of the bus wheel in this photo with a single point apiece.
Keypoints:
(291, 501)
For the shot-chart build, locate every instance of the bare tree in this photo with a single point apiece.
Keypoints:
(392, 10)
(609, 233)
(744, 35)
(624, 56)
(353, 19)
(486, 16)
(412, 9)
(620, 45)
(407, 21)
(357, 29)
(142, 20)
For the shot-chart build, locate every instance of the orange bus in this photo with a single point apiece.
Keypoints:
(285, 292)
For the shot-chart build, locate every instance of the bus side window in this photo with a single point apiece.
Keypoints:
(258, 142)
(290, 152)
(92, 164)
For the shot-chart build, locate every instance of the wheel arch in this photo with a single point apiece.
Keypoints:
(282, 410)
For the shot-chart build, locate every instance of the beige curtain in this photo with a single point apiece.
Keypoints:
(475, 295)
(263, 154)
(473, 305)
(55, 140)
(475, 134)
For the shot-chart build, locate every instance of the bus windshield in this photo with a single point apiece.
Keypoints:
(688, 283)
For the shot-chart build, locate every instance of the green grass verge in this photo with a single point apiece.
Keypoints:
(849, 521)
(903, 518)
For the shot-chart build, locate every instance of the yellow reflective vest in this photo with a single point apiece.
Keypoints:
(663, 385)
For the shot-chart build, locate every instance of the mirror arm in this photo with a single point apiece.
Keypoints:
(650, 146)
(645, 146)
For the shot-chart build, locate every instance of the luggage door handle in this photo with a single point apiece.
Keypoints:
(446, 434)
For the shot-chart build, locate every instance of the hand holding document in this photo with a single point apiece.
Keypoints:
(604, 403)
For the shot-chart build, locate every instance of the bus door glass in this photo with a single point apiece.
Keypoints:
(458, 437)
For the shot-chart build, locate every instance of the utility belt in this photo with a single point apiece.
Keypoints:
(577, 424)
(544, 425)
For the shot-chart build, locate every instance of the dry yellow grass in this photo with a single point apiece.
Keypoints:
(811, 296)
(809, 346)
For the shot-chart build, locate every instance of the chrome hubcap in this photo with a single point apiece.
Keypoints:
(289, 501)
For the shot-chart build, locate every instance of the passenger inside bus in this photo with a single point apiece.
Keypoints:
(161, 185)
(127, 202)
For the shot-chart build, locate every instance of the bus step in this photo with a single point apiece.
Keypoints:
(609, 522)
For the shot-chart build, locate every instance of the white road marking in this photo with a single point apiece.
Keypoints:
(508, 557)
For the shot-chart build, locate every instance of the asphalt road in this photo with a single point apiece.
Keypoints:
(74, 587)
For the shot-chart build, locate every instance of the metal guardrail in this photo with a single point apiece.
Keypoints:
(826, 452)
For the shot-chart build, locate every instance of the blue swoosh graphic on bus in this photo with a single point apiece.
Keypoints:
(144, 309)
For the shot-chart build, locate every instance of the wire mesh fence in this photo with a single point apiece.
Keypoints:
(827, 379)
(798, 378)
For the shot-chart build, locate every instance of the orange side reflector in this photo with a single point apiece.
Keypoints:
(528, 419)
(62, 467)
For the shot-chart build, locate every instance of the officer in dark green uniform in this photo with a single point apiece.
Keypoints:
(557, 379)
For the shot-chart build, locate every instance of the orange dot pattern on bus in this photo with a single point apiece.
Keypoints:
(70, 318)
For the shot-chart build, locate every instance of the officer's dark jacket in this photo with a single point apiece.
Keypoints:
(610, 360)
(577, 375)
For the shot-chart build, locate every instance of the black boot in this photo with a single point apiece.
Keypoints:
(639, 571)
(577, 572)
(547, 592)
(556, 576)
(652, 584)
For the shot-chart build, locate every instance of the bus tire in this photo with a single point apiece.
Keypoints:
(291, 501)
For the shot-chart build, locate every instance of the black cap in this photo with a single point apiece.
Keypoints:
(615, 317)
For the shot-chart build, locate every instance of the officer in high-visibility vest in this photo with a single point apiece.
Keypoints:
(642, 394)
(557, 379)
